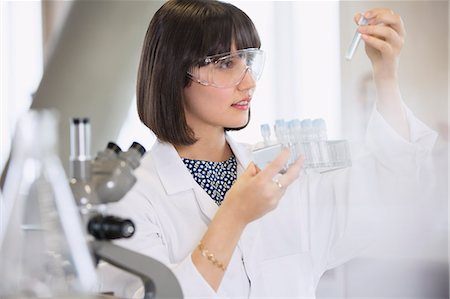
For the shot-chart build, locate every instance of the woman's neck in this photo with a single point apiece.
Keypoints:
(211, 147)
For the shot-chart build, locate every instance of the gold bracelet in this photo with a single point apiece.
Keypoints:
(210, 257)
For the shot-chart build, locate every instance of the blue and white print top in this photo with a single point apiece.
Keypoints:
(215, 178)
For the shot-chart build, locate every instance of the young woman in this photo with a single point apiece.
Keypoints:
(202, 207)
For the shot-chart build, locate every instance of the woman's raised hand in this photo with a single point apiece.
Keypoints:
(384, 37)
(258, 192)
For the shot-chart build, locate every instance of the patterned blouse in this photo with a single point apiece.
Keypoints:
(215, 178)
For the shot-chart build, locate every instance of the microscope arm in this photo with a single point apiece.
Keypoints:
(159, 281)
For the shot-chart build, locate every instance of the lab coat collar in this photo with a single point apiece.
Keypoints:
(243, 156)
(175, 177)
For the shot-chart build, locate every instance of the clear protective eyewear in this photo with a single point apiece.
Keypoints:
(228, 69)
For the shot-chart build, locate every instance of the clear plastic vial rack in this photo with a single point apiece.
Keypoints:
(307, 138)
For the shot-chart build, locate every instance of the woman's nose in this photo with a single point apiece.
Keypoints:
(247, 81)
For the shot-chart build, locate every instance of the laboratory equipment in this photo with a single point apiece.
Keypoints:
(103, 180)
(43, 250)
(106, 179)
(356, 39)
(307, 138)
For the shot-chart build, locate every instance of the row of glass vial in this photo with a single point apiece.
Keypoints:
(307, 138)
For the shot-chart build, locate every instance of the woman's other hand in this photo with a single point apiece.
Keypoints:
(258, 192)
(254, 194)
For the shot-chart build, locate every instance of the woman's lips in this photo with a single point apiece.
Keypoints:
(242, 105)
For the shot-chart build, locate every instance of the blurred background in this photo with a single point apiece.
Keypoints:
(81, 57)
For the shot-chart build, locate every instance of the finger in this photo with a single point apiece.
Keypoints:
(356, 17)
(276, 165)
(251, 170)
(384, 47)
(384, 33)
(387, 17)
(292, 173)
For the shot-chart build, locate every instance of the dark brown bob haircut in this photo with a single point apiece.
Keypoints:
(180, 34)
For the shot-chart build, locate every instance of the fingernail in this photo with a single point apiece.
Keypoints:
(368, 15)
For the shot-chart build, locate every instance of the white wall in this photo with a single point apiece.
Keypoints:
(21, 68)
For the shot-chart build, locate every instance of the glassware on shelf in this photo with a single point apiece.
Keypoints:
(43, 249)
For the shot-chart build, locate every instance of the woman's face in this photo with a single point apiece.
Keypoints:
(208, 108)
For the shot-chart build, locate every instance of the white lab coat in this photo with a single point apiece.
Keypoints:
(321, 222)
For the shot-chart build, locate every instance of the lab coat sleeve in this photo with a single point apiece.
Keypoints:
(149, 240)
(393, 151)
(383, 177)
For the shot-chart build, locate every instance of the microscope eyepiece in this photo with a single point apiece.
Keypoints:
(114, 147)
(138, 147)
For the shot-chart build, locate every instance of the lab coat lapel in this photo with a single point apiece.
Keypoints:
(249, 236)
(243, 156)
(176, 178)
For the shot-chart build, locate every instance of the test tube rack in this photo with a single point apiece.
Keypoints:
(307, 138)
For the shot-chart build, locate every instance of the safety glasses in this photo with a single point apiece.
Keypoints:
(228, 69)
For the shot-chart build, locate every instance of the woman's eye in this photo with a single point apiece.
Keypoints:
(226, 64)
